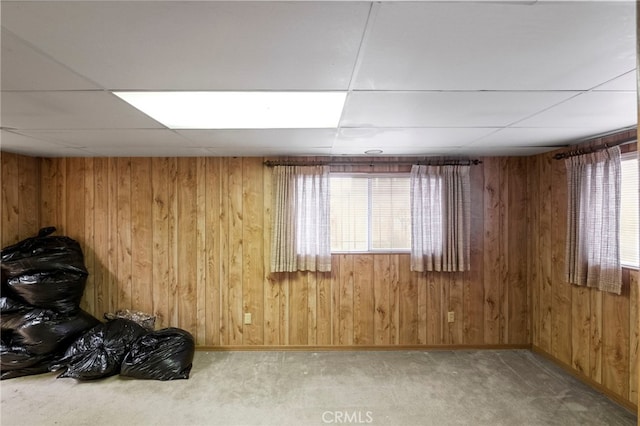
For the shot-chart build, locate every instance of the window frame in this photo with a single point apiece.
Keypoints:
(369, 176)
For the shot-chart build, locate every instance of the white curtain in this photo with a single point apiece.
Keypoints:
(301, 240)
(593, 236)
(440, 218)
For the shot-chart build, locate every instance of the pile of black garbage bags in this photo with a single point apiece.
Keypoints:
(44, 329)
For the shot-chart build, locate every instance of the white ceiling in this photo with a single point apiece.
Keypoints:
(423, 78)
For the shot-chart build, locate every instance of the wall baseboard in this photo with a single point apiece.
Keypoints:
(589, 381)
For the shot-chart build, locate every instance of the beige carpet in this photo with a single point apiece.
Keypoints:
(315, 388)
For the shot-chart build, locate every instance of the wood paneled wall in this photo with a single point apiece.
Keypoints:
(20, 182)
(592, 332)
(188, 240)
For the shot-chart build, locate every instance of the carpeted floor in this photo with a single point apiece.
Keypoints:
(506, 387)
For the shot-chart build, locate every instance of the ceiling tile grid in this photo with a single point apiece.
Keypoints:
(422, 77)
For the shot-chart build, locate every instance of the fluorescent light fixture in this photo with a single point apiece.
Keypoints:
(240, 110)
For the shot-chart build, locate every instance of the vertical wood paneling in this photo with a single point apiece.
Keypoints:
(101, 275)
(581, 328)
(189, 240)
(345, 315)
(272, 285)
(236, 247)
(180, 238)
(203, 304)
(142, 235)
(363, 300)
(187, 226)
(312, 305)
(492, 250)
(596, 331)
(422, 307)
(544, 254)
(28, 193)
(88, 302)
(213, 195)
(456, 283)
(533, 248)
(112, 242)
(298, 303)
(561, 291)
(323, 309)
(382, 305)
(615, 342)
(22, 209)
(252, 250)
(160, 222)
(225, 310)
(473, 319)
(517, 313)
(436, 315)
(172, 242)
(408, 303)
(10, 200)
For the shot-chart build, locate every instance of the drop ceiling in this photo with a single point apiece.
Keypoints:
(422, 78)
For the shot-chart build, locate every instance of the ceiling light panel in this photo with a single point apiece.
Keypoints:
(240, 110)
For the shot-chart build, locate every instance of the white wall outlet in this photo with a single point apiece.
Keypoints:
(247, 318)
(451, 316)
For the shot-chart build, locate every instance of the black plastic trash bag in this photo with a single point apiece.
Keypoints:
(41, 331)
(59, 290)
(9, 305)
(42, 253)
(165, 354)
(16, 361)
(100, 351)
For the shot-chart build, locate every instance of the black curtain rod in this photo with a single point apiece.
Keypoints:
(591, 149)
(373, 163)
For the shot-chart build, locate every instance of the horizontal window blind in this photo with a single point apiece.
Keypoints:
(370, 212)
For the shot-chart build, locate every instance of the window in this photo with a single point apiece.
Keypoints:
(370, 212)
(629, 210)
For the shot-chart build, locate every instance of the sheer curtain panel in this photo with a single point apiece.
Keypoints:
(593, 224)
(300, 239)
(440, 218)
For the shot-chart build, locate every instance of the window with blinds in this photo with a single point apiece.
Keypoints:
(629, 211)
(370, 213)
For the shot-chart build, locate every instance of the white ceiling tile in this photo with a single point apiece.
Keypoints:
(419, 141)
(198, 45)
(533, 137)
(20, 144)
(170, 151)
(445, 109)
(499, 46)
(600, 111)
(150, 139)
(268, 151)
(472, 68)
(24, 68)
(70, 110)
(626, 82)
(504, 151)
(276, 139)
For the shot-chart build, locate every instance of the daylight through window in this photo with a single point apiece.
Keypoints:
(629, 211)
(370, 212)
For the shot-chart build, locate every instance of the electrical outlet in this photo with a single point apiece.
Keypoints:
(247, 318)
(451, 316)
